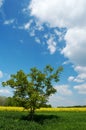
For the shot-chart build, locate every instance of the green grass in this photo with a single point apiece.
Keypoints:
(43, 121)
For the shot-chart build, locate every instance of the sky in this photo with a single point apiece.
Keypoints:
(35, 33)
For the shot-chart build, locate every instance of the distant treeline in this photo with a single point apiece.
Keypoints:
(10, 101)
(71, 106)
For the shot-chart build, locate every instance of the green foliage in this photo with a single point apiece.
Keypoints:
(11, 101)
(33, 90)
(8, 101)
(43, 121)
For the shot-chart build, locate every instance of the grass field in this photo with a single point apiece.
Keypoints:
(43, 120)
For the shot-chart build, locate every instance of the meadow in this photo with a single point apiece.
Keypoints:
(15, 118)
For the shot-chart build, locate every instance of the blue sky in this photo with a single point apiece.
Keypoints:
(37, 33)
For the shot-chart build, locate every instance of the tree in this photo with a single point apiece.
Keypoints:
(11, 101)
(33, 90)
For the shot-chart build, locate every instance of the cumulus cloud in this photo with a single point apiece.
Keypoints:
(58, 100)
(68, 14)
(5, 92)
(81, 88)
(63, 97)
(75, 48)
(63, 90)
(80, 69)
(81, 77)
(63, 13)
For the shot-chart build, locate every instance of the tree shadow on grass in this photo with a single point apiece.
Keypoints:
(41, 118)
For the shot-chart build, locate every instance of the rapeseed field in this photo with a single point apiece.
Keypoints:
(4, 108)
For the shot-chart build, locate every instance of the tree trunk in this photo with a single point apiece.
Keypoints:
(31, 114)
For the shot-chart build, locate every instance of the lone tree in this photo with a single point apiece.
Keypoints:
(33, 90)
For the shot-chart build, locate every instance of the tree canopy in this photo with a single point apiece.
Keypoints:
(33, 90)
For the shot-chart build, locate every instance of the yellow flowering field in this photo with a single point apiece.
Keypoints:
(63, 109)
(3, 108)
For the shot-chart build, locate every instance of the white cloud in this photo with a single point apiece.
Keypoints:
(49, 39)
(81, 77)
(59, 34)
(71, 78)
(60, 13)
(63, 90)
(56, 100)
(38, 26)
(68, 14)
(80, 69)
(1, 3)
(51, 45)
(78, 80)
(27, 25)
(62, 97)
(6, 92)
(8, 22)
(81, 88)
(65, 96)
(31, 27)
(1, 74)
(75, 48)
(75, 79)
